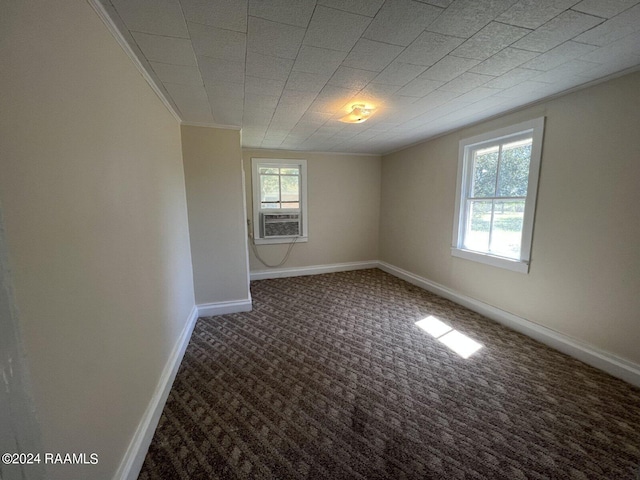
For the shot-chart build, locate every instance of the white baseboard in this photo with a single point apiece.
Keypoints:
(612, 364)
(133, 459)
(222, 308)
(312, 270)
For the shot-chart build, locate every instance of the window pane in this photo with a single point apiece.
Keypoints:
(506, 235)
(290, 171)
(269, 189)
(268, 170)
(290, 188)
(476, 236)
(485, 166)
(514, 169)
(295, 205)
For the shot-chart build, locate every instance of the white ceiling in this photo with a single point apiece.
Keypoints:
(286, 70)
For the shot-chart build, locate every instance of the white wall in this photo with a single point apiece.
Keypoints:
(92, 190)
(213, 173)
(584, 279)
(344, 200)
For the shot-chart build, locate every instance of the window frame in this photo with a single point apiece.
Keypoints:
(464, 181)
(256, 164)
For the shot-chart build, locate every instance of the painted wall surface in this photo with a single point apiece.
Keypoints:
(585, 266)
(93, 196)
(213, 173)
(19, 429)
(344, 201)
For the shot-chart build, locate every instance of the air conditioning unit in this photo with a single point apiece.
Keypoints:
(275, 225)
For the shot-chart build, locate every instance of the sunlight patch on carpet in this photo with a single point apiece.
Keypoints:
(456, 341)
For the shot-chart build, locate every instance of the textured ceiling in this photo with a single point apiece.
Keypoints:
(285, 71)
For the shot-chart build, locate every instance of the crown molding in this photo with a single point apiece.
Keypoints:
(210, 125)
(577, 88)
(310, 152)
(110, 18)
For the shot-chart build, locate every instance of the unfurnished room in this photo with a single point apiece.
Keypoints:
(320, 239)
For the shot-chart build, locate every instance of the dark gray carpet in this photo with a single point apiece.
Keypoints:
(329, 378)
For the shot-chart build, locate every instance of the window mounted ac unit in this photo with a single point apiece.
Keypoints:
(275, 225)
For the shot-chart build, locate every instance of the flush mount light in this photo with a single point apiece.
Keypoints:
(359, 113)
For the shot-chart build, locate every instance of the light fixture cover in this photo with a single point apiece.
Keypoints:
(359, 113)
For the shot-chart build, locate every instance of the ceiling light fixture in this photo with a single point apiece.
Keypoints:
(359, 113)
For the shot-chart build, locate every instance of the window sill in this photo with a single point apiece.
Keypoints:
(494, 261)
(275, 241)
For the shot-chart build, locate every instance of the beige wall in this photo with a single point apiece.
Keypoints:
(584, 279)
(213, 174)
(344, 200)
(92, 191)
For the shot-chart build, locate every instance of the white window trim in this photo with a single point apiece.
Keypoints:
(255, 182)
(536, 128)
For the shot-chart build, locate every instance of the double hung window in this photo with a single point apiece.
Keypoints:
(279, 200)
(496, 195)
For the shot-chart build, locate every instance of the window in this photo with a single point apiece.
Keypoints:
(496, 195)
(279, 200)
